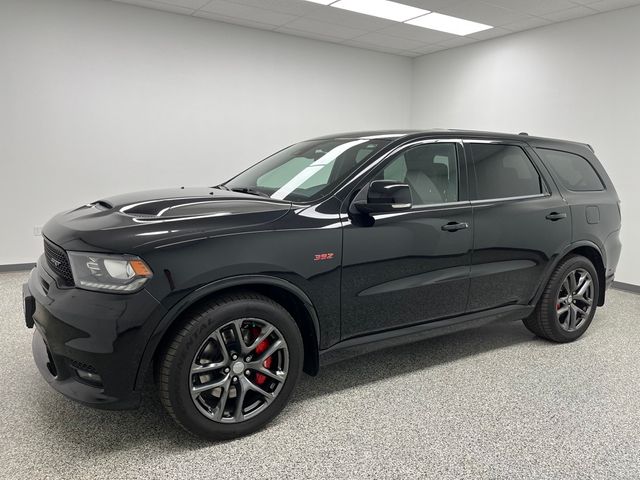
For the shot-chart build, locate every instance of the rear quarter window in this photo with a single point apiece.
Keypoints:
(573, 171)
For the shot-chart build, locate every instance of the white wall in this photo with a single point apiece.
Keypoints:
(577, 80)
(98, 98)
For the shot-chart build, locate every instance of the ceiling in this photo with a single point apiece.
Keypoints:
(311, 20)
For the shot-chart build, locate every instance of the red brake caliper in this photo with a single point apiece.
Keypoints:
(262, 346)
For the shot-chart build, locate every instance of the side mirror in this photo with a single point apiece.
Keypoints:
(382, 196)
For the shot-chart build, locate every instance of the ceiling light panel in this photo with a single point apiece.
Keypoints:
(446, 23)
(381, 8)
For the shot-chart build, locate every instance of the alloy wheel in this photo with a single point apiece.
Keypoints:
(575, 300)
(239, 370)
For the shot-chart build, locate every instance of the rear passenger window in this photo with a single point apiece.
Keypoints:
(504, 171)
(575, 172)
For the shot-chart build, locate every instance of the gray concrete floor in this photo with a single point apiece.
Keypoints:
(495, 402)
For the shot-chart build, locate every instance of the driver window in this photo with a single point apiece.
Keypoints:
(430, 170)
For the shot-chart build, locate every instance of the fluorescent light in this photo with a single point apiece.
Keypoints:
(381, 8)
(408, 14)
(446, 23)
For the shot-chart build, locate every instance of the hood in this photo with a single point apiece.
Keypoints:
(134, 222)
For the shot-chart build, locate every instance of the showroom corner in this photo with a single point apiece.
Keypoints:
(332, 239)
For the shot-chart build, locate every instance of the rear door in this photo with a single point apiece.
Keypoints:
(521, 222)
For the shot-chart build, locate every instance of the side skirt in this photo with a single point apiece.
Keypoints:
(368, 343)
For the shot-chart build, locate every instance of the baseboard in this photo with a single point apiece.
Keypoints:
(627, 287)
(17, 267)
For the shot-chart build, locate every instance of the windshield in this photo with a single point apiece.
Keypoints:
(308, 170)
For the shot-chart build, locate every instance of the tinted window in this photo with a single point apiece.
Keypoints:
(574, 171)
(504, 171)
(430, 170)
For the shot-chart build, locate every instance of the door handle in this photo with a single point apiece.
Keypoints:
(455, 226)
(554, 216)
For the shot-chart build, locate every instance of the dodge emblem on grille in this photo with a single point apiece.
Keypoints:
(55, 262)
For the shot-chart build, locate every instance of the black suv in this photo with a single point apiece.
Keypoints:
(227, 293)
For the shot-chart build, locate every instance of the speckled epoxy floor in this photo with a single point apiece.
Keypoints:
(489, 403)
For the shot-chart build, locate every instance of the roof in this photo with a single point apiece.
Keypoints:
(449, 132)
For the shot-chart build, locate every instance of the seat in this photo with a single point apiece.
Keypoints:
(439, 175)
(424, 190)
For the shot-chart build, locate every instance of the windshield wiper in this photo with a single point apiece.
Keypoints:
(250, 191)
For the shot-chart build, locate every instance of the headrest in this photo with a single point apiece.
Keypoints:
(417, 158)
(438, 170)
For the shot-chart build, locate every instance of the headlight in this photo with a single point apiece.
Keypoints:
(108, 273)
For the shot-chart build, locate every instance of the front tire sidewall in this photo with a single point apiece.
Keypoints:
(184, 409)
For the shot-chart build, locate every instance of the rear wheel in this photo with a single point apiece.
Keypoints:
(232, 366)
(568, 303)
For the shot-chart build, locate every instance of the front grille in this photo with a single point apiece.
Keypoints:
(58, 261)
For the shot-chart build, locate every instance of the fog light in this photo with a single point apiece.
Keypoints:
(89, 377)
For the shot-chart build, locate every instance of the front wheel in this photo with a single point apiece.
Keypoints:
(568, 303)
(232, 366)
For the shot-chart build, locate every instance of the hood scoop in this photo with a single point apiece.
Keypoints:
(101, 205)
(165, 209)
(172, 207)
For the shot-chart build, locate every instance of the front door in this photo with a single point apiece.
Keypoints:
(413, 266)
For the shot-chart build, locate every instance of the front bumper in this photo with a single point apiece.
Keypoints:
(88, 345)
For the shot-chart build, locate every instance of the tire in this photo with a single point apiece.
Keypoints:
(206, 335)
(547, 321)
